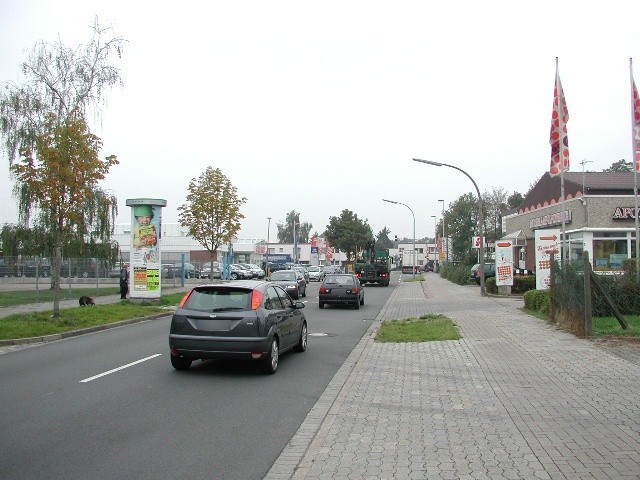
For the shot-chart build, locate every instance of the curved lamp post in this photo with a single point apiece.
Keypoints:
(414, 232)
(483, 291)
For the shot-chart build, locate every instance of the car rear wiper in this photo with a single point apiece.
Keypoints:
(227, 309)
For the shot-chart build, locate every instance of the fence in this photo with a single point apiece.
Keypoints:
(35, 274)
(579, 297)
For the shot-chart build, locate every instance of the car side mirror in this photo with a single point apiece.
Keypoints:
(299, 305)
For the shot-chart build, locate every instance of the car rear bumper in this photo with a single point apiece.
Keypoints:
(192, 346)
(343, 300)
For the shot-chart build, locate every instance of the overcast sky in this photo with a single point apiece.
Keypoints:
(320, 106)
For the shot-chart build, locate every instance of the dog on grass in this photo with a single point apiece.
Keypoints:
(83, 301)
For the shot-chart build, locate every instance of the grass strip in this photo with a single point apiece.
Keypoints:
(427, 328)
(38, 324)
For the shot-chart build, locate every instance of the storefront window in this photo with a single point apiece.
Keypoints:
(609, 255)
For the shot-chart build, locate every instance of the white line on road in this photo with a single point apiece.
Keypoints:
(120, 368)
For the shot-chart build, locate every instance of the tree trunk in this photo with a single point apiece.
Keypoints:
(57, 261)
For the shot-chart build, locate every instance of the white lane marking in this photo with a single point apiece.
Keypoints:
(119, 368)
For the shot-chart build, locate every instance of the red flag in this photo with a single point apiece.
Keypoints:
(635, 112)
(558, 137)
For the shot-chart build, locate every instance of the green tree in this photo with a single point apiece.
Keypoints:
(495, 205)
(348, 233)
(383, 240)
(212, 212)
(59, 178)
(515, 200)
(285, 230)
(620, 166)
(461, 225)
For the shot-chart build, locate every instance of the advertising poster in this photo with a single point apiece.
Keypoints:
(315, 252)
(547, 241)
(504, 263)
(146, 263)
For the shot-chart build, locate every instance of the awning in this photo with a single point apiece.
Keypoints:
(517, 239)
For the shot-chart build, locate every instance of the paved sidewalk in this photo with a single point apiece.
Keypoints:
(515, 398)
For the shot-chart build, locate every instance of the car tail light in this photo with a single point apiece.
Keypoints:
(256, 299)
(384, 274)
(353, 290)
(324, 290)
(184, 299)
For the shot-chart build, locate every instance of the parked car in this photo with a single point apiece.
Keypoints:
(315, 274)
(207, 271)
(489, 271)
(254, 269)
(238, 272)
(255, 321)
(341, 288)
(292, 281)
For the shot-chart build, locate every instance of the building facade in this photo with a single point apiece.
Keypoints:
(599, 217)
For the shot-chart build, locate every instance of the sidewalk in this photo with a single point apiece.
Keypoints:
(515, 398)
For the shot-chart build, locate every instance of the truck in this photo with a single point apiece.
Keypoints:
(373, 265)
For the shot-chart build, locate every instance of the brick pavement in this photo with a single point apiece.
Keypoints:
(515, 398)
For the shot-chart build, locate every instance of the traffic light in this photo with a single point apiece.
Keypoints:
(395, 238)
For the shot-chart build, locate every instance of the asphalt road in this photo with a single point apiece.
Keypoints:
(109, 405)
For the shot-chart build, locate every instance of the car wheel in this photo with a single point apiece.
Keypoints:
(357, 305)
(304, 292)
(233, 276)
(180, 363)
(362, 301)
(270, 363)
(302, 341)
(321, 304)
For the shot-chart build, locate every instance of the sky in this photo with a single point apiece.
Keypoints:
(319, 107)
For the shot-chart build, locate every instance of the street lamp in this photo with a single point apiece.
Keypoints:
(444, 239)
(414, 232)
(435, 235)
(480, 219)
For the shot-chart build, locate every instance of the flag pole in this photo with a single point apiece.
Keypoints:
(635, 160)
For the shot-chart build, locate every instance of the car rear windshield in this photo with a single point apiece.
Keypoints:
(219, 299)
(340, 279)
(284, 275)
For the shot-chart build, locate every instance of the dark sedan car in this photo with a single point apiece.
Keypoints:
(292, 281)
(341, 288)
(247, 320)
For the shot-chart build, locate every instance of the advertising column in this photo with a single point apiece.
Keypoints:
(146, 253)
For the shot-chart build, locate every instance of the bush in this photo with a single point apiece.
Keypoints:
(522, 284)
(538, 300)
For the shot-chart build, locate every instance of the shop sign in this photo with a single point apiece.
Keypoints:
(547, 243)
(624, 213)
(504, 263)
(550, 220)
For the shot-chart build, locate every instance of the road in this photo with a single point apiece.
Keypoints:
(109, 405)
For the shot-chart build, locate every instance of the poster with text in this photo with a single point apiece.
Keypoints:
(504, 263)
(547, 242)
